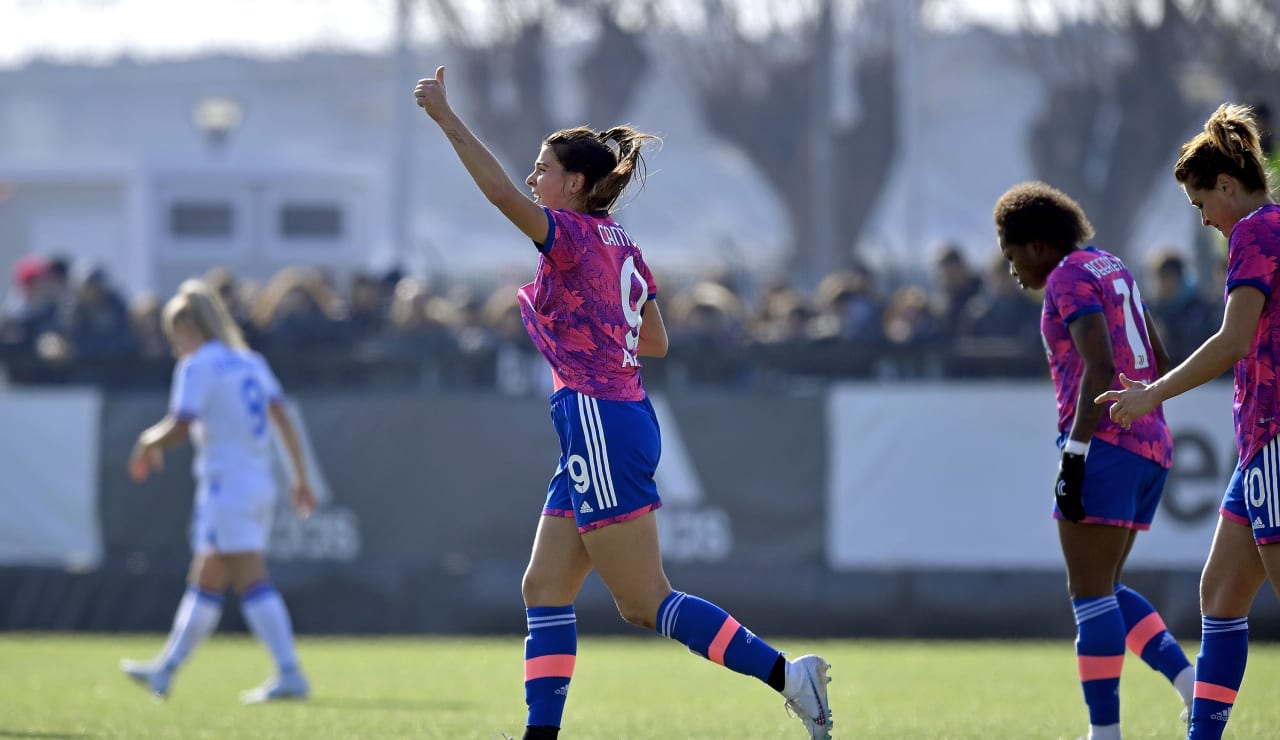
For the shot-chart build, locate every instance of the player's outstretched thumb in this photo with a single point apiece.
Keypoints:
(1126, 382)
(440, 74)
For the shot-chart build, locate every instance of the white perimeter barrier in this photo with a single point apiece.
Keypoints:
(961, 476)
(49, 478)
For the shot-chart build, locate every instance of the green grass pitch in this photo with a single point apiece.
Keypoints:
(68, 686)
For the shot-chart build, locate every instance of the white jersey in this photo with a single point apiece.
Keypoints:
(226, 393)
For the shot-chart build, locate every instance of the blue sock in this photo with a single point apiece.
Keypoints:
(550, 651)
(709, 631)
(1100, 656)
(1147, 636)
(1224, 648)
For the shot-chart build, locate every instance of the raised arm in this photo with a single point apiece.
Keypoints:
(480, 162)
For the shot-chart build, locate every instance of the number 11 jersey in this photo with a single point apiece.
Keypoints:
(1089, 281)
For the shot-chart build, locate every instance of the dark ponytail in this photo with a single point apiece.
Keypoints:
(608, 160)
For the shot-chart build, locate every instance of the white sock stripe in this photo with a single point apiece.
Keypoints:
(667, 620)
(552, 622)
(1092, 610)
(610, 493)
(675, 612)
(1212, 625)
(545, 617)
(588, 438)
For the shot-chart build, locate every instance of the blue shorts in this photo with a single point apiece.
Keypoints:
(609, 451)
(1252, 498)
(1121, 488)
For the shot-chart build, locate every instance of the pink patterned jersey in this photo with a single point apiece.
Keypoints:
(583, 307)
(1088, 281)
(1252, 256)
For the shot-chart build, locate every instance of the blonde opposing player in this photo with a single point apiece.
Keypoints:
(224, 398)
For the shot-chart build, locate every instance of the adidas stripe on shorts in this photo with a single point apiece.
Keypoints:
(1252, 498)
(608, 454)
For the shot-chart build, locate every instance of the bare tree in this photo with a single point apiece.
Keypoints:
(1125, 87)
(1244, 48)
(505, 67)
(767, 92)
(1114, 108)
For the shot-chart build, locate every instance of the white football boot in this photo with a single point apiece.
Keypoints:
(806, 694)
(291, 685)
(155, 677)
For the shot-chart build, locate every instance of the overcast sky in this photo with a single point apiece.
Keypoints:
(101, 30)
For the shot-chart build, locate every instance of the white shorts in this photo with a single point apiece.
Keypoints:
(232, 515)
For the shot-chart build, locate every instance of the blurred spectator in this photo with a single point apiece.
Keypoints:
(955, 284)
(238, 297)
(998, 332)
(421, 325)
(1183, 316)
(784, 318)
(35, 308)
(297, 311)
(1262, 116)
(849, 307)
(909, 317)
(519, 369)
(144, 318)
(366, 308)
(706, 325)
(474, 364)
(912, 329)
(98, 323)
(1002, 309)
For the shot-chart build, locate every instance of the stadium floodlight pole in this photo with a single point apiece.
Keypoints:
(398, 168)
(820, 257)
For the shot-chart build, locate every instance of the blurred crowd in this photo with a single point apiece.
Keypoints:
(390, 329)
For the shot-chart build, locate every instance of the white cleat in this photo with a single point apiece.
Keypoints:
(291, 686)
(806, 694)
(155, 678)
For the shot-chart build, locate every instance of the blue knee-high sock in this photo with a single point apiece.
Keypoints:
(550, 651)
(1224, 648)
(1147, 636)
(709, 631)
(1100, 656)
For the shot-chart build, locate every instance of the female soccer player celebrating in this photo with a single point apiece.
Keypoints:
(224, 397)
(591, 312)
(1222, 171)
(1110, 479)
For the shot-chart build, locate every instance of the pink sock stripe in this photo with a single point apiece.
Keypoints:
(560, 666)
(1214, 692)
(1142, 632)
(723, 638)
(1099, 667)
